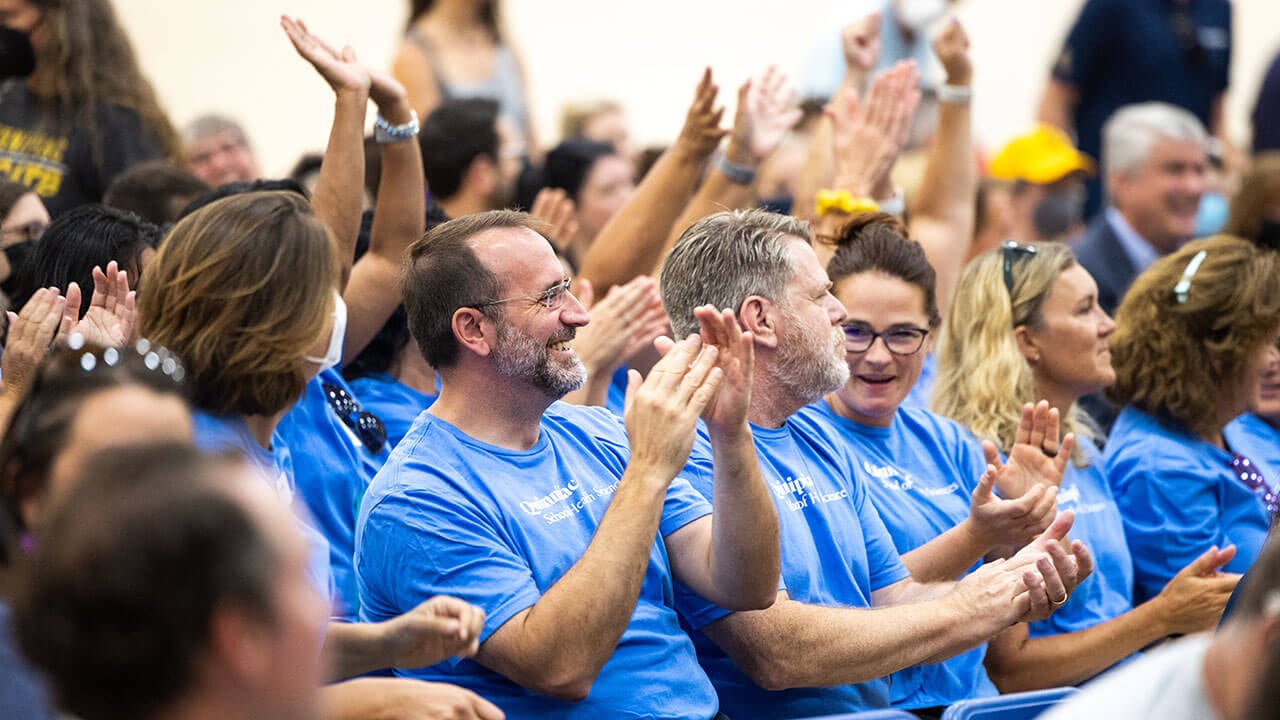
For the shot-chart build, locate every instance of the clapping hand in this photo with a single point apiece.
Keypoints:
(1037, 457)
(868, 134)
(701, 133)
(766, 113)
(112, 309)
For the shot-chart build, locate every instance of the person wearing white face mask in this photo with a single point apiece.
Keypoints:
(906, 28)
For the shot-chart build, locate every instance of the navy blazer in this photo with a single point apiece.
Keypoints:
(1100, 252)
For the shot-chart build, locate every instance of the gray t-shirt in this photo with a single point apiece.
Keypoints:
(1167, 683)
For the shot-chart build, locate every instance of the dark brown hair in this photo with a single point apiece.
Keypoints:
(878, 242)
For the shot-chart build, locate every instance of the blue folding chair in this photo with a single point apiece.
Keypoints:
(1014, 706)
(889, 714)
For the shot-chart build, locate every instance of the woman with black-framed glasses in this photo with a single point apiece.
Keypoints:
(922, 471)
(1026, 324)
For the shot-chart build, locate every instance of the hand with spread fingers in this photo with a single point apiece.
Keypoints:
(1006, 524)
(701, 133)
(1037, 456)
(736, 360)
(766, 112)
(868, 134)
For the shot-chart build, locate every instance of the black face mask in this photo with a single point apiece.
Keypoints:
(17, 58)
(1055, 215)
(17, 254)
(1269, 234)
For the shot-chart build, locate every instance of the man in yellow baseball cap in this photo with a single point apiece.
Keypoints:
(1047, 175)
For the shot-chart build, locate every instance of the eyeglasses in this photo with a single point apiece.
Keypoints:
(1249, 475)
(1012, 251)
(366, 425)
(859, 337)
(30, 232)
(1182, 291)
(551, 298)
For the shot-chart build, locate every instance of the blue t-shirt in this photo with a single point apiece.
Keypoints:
(1254, 438)
(617, 400)
(332, 468)
(1178, 496)
(1108, 592)
(218, 433)
(919, 396)
(397, 405)
(451, 515)
(1121, 52)
(921, 473)
(835, 552)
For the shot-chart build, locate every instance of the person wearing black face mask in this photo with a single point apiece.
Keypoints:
(1047, 197)
(23, 220)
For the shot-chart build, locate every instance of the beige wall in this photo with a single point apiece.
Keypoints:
(231, 56)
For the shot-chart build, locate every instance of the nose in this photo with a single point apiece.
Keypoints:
(573, 313)
(878, 353)
(835, 310)
(1106, 325)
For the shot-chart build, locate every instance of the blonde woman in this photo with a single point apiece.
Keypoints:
(1025, 324)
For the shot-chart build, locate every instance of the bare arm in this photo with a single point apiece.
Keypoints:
(390, 698)
(861, 43)
(340, 186)
(766, 112)
(634, 239)
(1191, 602)
(732, 559)
(942, 219)
(398, 220)
(1058, 104)
(558, 646)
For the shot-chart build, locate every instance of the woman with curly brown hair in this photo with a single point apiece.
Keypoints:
(86, 112)
(1194, 336)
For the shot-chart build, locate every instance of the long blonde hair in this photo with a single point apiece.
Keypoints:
(983, 380)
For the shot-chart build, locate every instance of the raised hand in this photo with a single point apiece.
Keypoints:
(952, 48)
(662, 409)
(868, 135)
(112, 309)
(1193, 599)
(701, 133)
(31, 331)
(1037, 457)
(626, 320)
(861, 43)
(554, 207)
(1010, 523)
(766, 113)
(438, 629)
(338, 68)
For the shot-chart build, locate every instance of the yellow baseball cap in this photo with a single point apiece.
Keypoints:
(1042, 156)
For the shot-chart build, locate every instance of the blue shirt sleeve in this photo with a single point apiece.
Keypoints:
(422, 544)
(885, 564)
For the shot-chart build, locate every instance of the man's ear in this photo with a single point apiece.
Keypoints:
(481, 176)
(473, 331)
(759, 316)
(236, 644)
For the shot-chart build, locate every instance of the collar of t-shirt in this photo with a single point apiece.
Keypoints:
(1140, 252)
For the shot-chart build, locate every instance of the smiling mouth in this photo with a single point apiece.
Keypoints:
(562, 346)
(877, 380)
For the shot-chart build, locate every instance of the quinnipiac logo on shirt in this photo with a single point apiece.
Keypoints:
(802, 492)
(894, 479)
(567, 500)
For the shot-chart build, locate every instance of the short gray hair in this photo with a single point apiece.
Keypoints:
(212, 124)
(1130, 133)
(725, 258)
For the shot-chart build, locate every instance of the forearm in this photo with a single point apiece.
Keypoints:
(634, 240)
(356, 649)
(942, 220)
(1017, 663)
(340, 186)
(398, 221)
(798, 645)
(1056, 105)
(743, 560)
(559, 645)
(947, 556)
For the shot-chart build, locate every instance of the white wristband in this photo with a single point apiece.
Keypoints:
(955, 94)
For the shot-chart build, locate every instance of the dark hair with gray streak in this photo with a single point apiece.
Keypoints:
(725, 258)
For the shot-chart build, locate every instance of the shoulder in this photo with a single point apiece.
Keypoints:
(589, 421)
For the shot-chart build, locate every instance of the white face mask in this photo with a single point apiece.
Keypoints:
(918, 15)
(333, 354)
